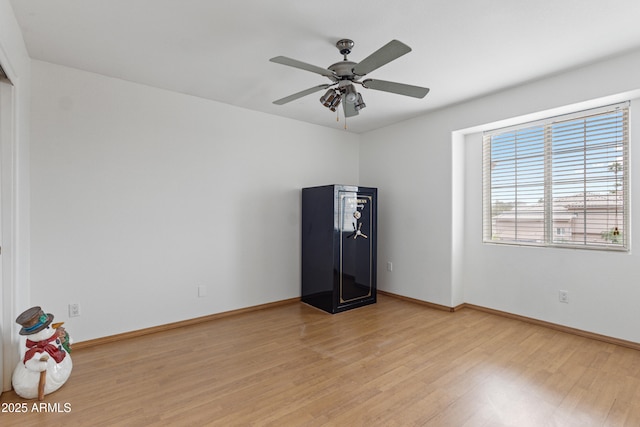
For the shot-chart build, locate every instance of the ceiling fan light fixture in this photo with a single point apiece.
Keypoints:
(350, 94)
(359, 103)
(331, 99)
(335, 103)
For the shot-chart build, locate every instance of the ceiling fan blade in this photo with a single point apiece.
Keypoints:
(300, 94)
(387, 53)
(349, 108)
(303, 66)
(399, 88)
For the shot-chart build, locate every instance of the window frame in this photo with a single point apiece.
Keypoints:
(547, 237)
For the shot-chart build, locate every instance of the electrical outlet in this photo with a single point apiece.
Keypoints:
(74, 310)
(563, 296)
(202, 291)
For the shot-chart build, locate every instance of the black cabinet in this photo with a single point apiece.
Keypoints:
(339, 246)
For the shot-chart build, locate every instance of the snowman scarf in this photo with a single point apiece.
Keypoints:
(44, 346)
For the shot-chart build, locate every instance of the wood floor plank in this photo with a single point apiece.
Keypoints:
(395, 363)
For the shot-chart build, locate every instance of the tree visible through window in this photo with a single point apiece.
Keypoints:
(559, 182)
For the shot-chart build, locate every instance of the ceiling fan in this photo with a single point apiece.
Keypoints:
(346, 74)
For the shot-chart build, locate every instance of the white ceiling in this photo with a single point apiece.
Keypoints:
(220, 49)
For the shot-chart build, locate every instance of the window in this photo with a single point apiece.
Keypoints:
(559, 182)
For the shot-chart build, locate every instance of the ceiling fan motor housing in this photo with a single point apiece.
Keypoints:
(343, 69)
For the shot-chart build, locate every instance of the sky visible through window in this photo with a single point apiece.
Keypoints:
(586, 157)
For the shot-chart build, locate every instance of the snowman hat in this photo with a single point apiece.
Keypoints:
(33, 320)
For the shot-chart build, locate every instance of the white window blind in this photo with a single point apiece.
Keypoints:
(561, 182)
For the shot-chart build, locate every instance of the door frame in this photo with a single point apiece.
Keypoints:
(9, 293)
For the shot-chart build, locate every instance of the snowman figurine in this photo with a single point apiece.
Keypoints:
(46, 363)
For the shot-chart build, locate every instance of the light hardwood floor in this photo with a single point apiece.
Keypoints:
(394, 363)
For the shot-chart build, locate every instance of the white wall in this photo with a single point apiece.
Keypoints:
(411, 165)
(429, 172)
(14, 190)
(139, 195)
(602, 286)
